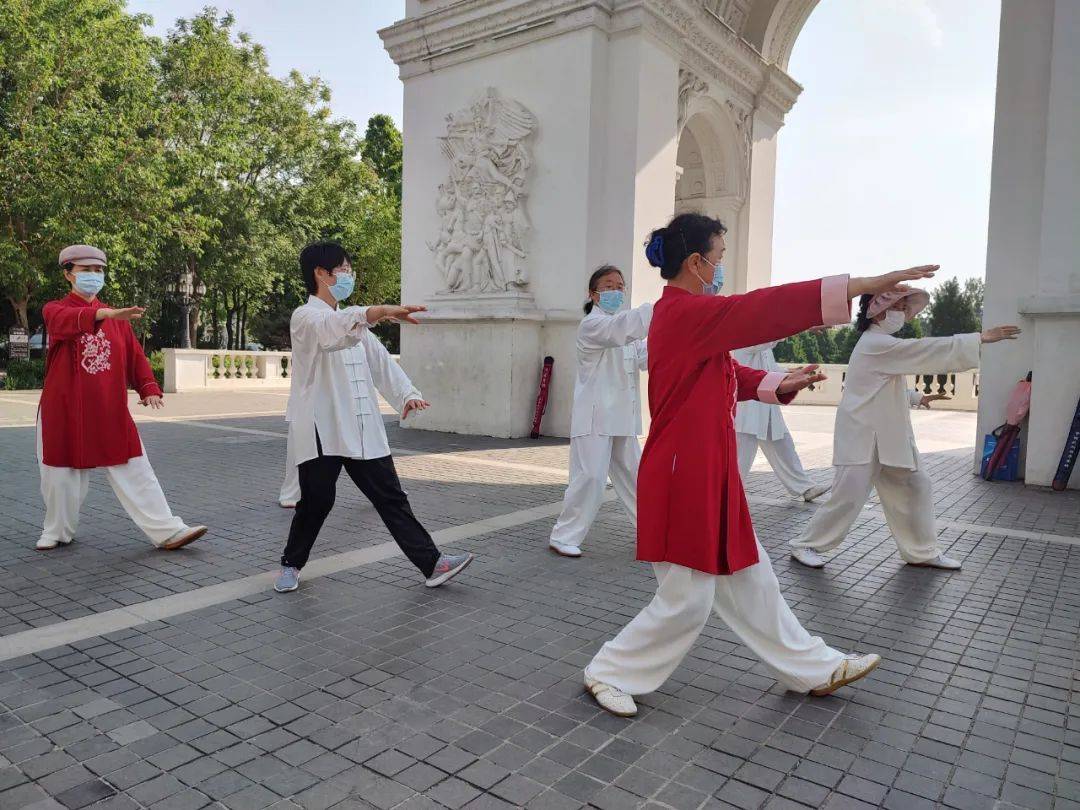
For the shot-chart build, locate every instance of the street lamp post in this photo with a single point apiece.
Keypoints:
(186, 294)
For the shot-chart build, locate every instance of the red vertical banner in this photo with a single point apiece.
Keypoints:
(542, 396)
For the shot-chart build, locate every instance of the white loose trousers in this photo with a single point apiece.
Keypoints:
(782, 457)
(64, 489)
(645, 652)
(592, 459)
(906, 498)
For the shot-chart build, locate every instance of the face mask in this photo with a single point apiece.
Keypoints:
(89, 283)
(717, 278)
(611, 301)
(343, 285)
(893, 322)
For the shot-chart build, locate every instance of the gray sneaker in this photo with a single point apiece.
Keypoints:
(448, 566)
(288, 580)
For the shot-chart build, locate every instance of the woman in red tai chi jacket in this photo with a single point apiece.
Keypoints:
(693, 521)
(83, 419)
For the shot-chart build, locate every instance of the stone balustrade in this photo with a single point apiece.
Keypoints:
(962, 388)
(209, 369)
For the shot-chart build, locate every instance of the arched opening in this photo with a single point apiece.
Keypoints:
(711, 173)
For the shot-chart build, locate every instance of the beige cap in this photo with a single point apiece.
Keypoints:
(82, 254)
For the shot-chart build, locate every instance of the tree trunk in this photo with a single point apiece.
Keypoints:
(20, 307)
(243, 326)
(216, 322)
(229, 325)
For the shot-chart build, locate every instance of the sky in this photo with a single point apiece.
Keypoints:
(884, 162)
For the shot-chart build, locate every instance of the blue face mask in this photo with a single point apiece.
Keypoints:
(717, 278)
(89, 283)
(343, 286)
(611, 301)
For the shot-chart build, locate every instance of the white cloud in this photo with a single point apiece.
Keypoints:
(925, 15)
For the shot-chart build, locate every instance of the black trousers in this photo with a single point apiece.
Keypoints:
(378, 480)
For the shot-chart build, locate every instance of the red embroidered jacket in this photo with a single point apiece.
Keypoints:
(84, 414)
(691, 507)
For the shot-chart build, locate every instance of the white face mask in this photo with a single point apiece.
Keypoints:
(893, 322)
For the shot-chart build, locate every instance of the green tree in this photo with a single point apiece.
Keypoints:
(974, 292)
(382, 149)
(951, 311)
(79, 161)
(845, 339)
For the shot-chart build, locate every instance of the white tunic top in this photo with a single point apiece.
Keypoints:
(337, 365)
(611, 351)
(761, 419)
(874, 410)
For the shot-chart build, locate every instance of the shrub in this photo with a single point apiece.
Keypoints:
(157, 365)
(24, 374)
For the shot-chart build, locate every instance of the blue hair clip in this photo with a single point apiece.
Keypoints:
(654, 251)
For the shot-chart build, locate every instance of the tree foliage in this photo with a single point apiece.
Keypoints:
(954, 310)
(182, 155)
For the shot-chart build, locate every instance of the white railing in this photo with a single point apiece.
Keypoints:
(962, 388)
(209, 369)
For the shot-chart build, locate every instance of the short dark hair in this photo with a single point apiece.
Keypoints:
(594, 279)
(326, 255)
(685, 235)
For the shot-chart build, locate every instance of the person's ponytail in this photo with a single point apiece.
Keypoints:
(862, 322)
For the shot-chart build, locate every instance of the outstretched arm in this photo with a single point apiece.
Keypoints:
(725, 323)
(615, 330)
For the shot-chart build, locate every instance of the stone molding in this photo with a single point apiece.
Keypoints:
(702, 42)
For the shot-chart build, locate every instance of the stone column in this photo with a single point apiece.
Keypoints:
(1032, 273)
(601, 115)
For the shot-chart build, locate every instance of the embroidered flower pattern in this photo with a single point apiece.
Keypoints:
(95, 352)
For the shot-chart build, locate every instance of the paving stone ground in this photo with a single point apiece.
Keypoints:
(365, 689)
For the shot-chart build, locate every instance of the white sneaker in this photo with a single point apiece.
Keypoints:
(288, 504)
(940, 561)
(808, 557)
(816, 492)
(611, 699)
(46, 545)
(851, 669)
(564, 550)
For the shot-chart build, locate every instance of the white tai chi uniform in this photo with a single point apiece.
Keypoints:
(874, 444)
(645, 652)
(64, 489)
(290, 483)
(761, 424)
(606, 418)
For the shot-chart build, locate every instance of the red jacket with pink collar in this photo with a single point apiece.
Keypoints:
(691, 507)
(84, 414)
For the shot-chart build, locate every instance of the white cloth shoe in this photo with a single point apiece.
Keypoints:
(564, 550)
(940, 561)
(808, 557)
(183, 537)
(611, 699)
(816, 492)
(45, 545)
(288, 504)
(851, 669)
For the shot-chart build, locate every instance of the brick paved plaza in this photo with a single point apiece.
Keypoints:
(132, 678)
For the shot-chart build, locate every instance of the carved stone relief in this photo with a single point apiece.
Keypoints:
(481, 206)
(689, 86)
